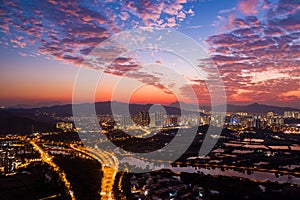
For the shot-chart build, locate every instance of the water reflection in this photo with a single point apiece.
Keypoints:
(252, 175)
(216, 171)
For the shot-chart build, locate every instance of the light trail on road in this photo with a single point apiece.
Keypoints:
(48, 159)
(109, 165)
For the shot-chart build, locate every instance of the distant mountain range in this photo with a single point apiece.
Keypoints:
(251, 108)
(171, 109)
(259, 108)
(101, 108)
(37, 105)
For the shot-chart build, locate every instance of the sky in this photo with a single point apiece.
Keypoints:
(254, 45)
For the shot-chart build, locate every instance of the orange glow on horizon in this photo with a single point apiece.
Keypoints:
(151, 94)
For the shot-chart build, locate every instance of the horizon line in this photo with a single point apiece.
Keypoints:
(35, 105)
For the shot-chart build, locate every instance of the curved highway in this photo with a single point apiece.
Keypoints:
(109, 165)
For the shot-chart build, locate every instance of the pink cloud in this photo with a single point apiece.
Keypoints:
(248, 7)
(171, 22)
(258, 59)
(230, 23)
(124, 16)
(19, 43)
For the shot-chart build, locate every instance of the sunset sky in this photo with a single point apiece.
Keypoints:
(254, 43)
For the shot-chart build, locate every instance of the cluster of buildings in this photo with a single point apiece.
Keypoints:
(156, 186)
(253, 120)
(242, 120)
(13, 154)
(291, 114)
(65, 126)
(235, 121)
(159, 119)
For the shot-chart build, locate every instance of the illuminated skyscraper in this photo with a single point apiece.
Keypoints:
(159, 119)
(143, 118)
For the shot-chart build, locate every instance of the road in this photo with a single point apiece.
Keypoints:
(48, 159)
(109, 165)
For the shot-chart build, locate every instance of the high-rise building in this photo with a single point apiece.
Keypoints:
(287, 114)
(124, 121)
(159, 119)
(270, 114)
(257, 122)
(291, 114)
(143, 118)
(172, 120)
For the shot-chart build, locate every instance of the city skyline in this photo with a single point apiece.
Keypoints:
(254, 43)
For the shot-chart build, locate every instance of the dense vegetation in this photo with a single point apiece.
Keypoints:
(84, 174)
